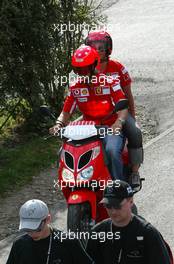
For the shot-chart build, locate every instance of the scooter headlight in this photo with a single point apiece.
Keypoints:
(85, 174)
(96, 152)
(67, 175)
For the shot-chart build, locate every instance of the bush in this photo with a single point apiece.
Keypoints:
(35, 52)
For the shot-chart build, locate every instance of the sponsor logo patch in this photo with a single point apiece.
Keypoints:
(32, 211)
(109, 78)
(140, 238)
(116, 87)
(84, 92)
(79, 60)
(110, 190)
(126, 76)
(106, 90)
(129, 190)
(98, 90)
(82, 99)
(75, 196)
(80, 92)
(124, 70)
(135, 254)
(76, 92)
(115, 76)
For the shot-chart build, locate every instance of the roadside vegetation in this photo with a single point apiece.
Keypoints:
(21, 162)
(35, 51)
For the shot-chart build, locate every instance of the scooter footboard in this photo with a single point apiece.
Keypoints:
(81, 196)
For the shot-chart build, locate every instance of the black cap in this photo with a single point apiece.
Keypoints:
(117, 191)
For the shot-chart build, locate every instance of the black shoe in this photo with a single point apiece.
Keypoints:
(134, 179)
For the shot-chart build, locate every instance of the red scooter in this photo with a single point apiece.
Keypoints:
(83, 173)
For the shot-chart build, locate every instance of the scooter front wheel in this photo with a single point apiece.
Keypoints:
(79, 217)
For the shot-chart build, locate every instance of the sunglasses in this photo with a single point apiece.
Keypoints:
(98, 46)
(39, 229)
(115, 206)
(82, 71)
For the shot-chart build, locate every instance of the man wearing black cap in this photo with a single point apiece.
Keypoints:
(138, 241)
(42, 244)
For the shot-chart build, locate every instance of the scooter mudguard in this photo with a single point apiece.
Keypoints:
(81, 196)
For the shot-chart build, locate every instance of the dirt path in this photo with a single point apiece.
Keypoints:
(42, 187)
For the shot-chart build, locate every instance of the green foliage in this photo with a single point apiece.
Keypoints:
(34, 52)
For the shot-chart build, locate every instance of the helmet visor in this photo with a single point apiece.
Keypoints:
(82, 70)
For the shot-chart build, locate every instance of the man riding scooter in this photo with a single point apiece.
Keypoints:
(96, 96)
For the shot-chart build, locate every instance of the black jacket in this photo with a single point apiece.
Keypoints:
(138, 243)
(27, 251)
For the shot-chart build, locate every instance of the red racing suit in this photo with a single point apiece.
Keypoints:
(116, 69)
(95, 100)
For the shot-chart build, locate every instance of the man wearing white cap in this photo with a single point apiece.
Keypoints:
(42, 244)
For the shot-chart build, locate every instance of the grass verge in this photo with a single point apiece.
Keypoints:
(20, 163)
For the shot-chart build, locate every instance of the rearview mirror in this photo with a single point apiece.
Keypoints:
(44, 110)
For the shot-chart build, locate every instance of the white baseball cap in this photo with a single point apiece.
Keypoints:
(32, 213)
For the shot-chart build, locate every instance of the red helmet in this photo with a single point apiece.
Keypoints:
(84, 59)
(100, 36)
